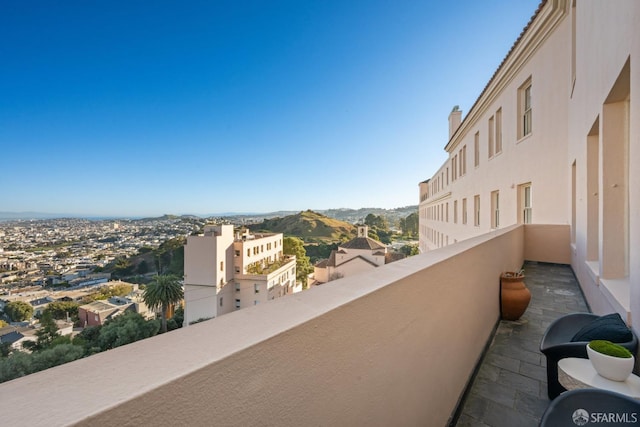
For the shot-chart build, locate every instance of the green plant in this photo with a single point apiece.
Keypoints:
(610, 349)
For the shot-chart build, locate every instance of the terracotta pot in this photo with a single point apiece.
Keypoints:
(514, 296)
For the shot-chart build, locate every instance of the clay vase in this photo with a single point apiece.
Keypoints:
(514, 296)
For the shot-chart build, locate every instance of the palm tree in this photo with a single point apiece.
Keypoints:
(162, 292)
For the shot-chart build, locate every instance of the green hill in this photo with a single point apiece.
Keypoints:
(309, 226)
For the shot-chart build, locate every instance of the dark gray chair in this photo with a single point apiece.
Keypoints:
(556, 344)
(592, 405)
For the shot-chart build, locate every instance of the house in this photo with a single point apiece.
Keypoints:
(40, 304)
(97, 312)
(359, 254)
(16, 336)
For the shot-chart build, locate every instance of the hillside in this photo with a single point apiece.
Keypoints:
(309, 226)
(358, 215)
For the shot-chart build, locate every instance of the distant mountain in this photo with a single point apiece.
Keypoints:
(310, 226)
(358, 215)
(343, 214)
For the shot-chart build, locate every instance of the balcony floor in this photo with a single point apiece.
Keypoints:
(510, 387)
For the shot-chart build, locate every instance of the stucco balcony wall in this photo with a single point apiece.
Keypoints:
(396, 346)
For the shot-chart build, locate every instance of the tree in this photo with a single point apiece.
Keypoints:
(122, 267)
(56, 355)
(295, 246)
(177, 320)
(376, 221)
(125, 329)
(142, 268)
(162, 292)
(60, 309)
(169, 256)
(410, 250)
(89, 339)
(47, 332)
(409, 225)
(18, 311)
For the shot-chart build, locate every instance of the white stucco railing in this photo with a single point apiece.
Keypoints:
(392, 347)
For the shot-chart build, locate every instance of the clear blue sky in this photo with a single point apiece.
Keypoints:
(134, 108)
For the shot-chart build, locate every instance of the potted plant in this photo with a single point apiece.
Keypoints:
(514, 295)
(610, 360)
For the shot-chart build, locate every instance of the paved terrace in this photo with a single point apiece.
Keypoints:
(510, 388)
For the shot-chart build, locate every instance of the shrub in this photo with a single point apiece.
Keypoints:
(610, 349)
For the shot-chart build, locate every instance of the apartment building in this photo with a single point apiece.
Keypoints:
(226, 271)
(552, 139)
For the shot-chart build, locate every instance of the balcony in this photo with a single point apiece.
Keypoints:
(397, 346)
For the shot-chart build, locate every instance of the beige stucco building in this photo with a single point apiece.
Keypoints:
(554, 139)
(359, 254)
(226, 271)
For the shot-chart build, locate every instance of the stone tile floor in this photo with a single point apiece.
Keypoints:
(510, 388)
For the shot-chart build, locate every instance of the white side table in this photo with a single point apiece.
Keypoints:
(574, 373)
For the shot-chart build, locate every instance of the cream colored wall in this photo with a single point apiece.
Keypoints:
(634, 175)
(202, 274)
(539, 158)
(355, 266)
(321, 274)
(365, 253)
(261, 243)
(293, 362)
(269, 286)
(547, 243)
(606, 38)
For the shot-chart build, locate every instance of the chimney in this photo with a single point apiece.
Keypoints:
(455, 118)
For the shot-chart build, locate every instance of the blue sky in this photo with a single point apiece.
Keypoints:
(131, 108)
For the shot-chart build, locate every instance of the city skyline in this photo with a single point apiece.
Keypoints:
(135, 110)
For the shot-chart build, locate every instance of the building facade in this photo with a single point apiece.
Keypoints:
(226, 271)
(553, 139)
(355, 256)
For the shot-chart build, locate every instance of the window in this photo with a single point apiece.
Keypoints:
(464, 211)
(237, 269)
(237, 287)
(237, 253)
(498, 131)
(256, 288)
(237, 303)
(221, 265)
(454, 167)
(524, 197)
(476, 210)
(476, 149)
(463, 157)
(524, 109)
(455, 211)
(492, 130)
(248, 252)
(220, 301)
(447, 212)
(495, 209)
